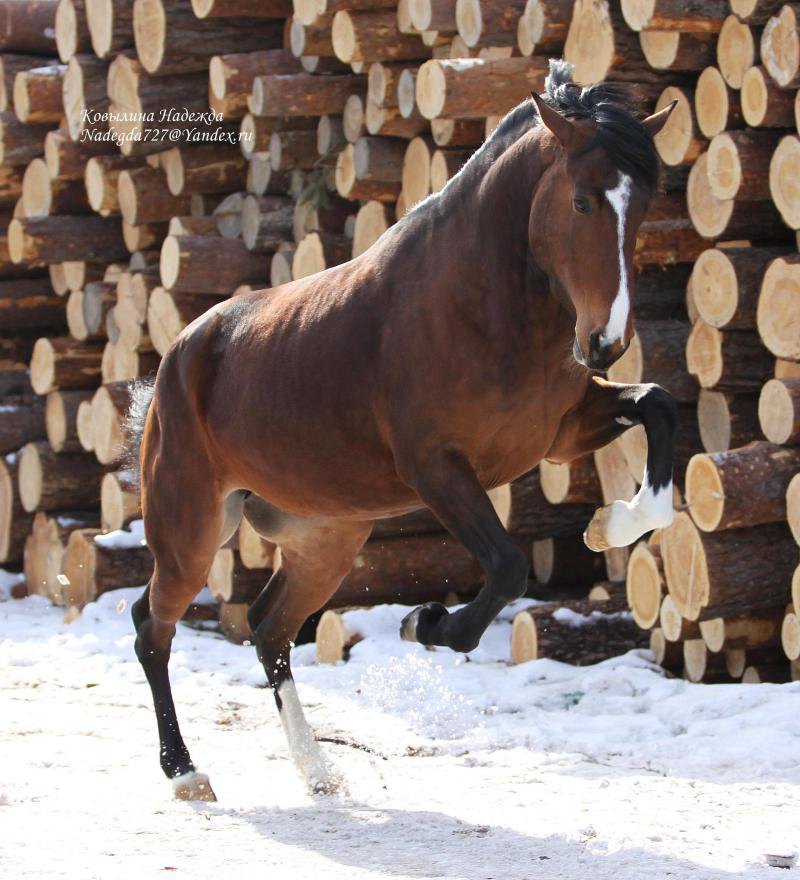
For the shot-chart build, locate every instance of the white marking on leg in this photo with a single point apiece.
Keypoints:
(303, 748)
(647, 510)
(618, 198)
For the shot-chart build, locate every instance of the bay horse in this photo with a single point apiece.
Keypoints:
(461, 349)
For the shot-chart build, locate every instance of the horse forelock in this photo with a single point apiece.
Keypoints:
(609, 106)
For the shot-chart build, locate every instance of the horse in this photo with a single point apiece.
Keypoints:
(465, 346)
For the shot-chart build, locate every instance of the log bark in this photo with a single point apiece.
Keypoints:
(302, 94)
(779, 410)
(778, 306)
(457, 132)
(241, 8)
(37, 94)
(21, 421)
(729, 572)
(570, 482)
(42, 195)
(205, 169)
(350, 187)
(726, 284)
(61, 414)
(734, 360)
(372, 35)
(668, 655)
(761, 629)
(726, 421)
(19, 141)
(15, 521)
(119, 500)
(644, 583)
(704, 16)
(66, 159)
(266, 222)
(565, 561)
(28, 26)
(675, 50)
(60, 238)
(191, 264)
(110, 24)
(169, 41)
(95, 563)
(474, 88)
(48, 481)
(143, 197)
(675, 627)
(578, 633)
(488, 23)
(30, 304)
(230, 77)
(10, 66)
(543, 26)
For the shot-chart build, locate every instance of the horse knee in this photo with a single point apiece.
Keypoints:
(508, 576)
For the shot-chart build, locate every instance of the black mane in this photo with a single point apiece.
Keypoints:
(609, 105)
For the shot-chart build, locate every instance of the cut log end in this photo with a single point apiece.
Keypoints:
(644, 586)
(334, 639)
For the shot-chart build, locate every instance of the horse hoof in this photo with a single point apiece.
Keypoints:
(595, 535)
(193, 786)
(419, 624)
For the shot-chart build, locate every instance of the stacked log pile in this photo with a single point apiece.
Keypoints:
(333, 121)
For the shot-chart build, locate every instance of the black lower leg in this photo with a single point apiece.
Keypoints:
(152, 646)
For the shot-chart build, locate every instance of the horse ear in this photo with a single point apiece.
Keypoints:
(657, 121)
(559, 125)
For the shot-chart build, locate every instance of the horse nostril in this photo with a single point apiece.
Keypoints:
(595, 346)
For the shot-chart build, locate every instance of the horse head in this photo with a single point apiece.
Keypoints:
(588, 206)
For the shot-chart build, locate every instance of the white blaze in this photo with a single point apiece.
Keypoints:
(618, 198)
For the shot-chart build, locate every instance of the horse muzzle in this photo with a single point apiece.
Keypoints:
(601, 354)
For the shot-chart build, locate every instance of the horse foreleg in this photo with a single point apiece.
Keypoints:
(607, 411)
(449, 486)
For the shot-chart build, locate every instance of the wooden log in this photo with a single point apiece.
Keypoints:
(543, 26)
(763, 104)
(110, 24)
(95, 563)
(66, 159)
(728, 218)
(64, 363)
(457, 132)
(669, 655)
(699, 664)
(10, 66)
(19, 141)
(293, 149)
(660, 292)
(30, 304)
(416, 171)
(266, 221)
(726, 285)
(488, 23)
(736, 50)
(319, 251)
(755, 11)
(61, 419)
(37, 94)
(676, 50)
(674, 15)
(168, 40)
(48, 481)
(779, 410)
(192, 264)
(350, 187)
(241, 8)
(109, 411)
(230, 581)
(793, 519)
(675, 627)
(72, 30)
(577, 633)
(473, 88)
(783, 177)
(780, 46)
(120, 364)
(15, 521)
(731, 361)
(729, 572)
(330, 135)
(84, 426)
(230, 77)
(59, 238)
(168, 312)
(445, 164)
(254, 551)
(790, 635)
(334, 638)
(376, 158)
(738, 164)
(389, 122)
(573, 482)
(78, 273)
(353, 118)
(371, 35)
(372, 221)
(280, 267)
(763, 672)
(22, 422)
(44, 551)
(28, 27)
(778, 306)
(311, 39)
(565, 561)
(644, 584)
(208, 168)
(143, 198)
(717, 107)
(655, 355)
(302, 94)
(726, 421)
(144, 235)
(42, 195)
(334, 216)
(119, 500)
(761, 629)
(413, 569)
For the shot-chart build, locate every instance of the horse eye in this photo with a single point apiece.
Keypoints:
(582, 205)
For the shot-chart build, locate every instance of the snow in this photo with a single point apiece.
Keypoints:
(572, 618)
(133, 536)
(458, 768)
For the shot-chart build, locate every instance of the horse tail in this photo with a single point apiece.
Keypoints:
(142, 392)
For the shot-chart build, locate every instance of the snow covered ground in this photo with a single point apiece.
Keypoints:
(468, 769)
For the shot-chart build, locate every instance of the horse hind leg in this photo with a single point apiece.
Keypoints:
(313, 562)
(185, 524)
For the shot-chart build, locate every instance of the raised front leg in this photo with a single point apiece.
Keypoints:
(449, 486)
(609, 409)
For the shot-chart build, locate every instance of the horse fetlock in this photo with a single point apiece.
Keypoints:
(509, 580)
(193, 786)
